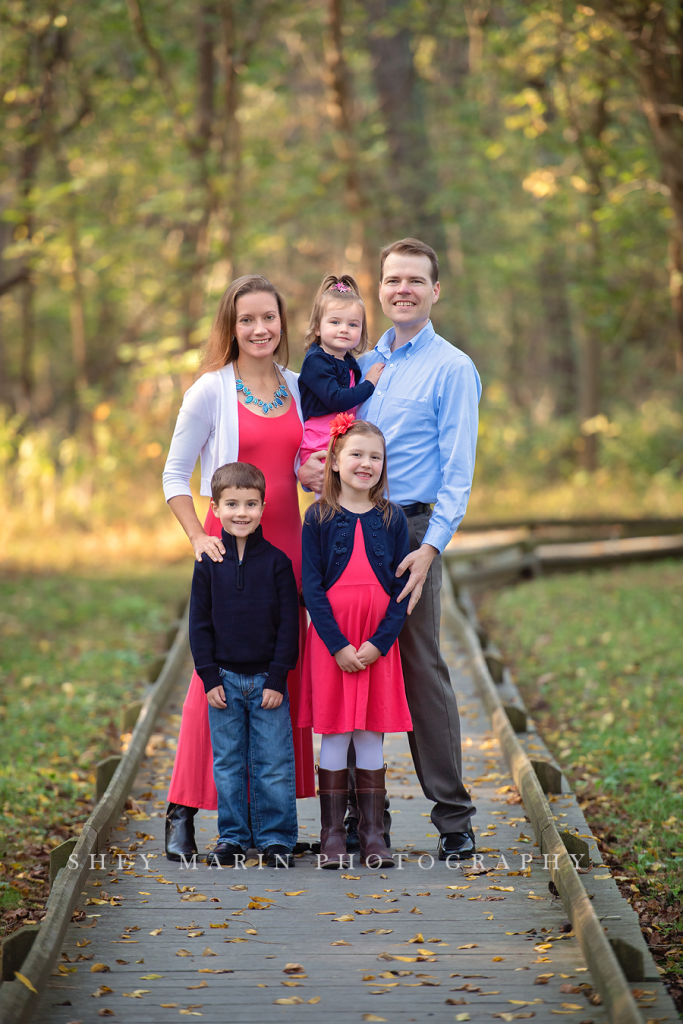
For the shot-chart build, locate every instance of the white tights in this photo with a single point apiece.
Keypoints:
(334, 750)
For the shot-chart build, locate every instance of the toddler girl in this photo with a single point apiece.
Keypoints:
(352, 682)
(330, 379)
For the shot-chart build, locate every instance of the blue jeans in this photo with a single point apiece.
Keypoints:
(253, 745)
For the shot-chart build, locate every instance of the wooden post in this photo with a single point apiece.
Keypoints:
(573, 844)
(15, 948)
(105, 773)
(59, 857)
(129, 715)
(495, 664)
(548, 775)
(516, 716)
(630, 959)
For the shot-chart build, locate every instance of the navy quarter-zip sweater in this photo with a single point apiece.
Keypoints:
(327, 549)
(325, 383)
(244, 616)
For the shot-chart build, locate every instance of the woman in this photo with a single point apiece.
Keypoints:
(243, 407)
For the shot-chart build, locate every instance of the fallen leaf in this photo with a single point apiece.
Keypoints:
(184, 952)
(209, 952)
(105, 1012)
(215, 970)
(293, 969)
(458, 886)
(99, 969)
(138, 993)
(415, 910)
(344, 917)
(292, 984)
(103, 990)
(502, 888)
(25, 981)
(300, 892)
(571, 1006)
(168, 1006)
(292, 1001)
(150, 977)
(419, 937)
(194, 897)
(469, 945)
(372, 1016)
(202, 984)
(315, 999)
(251, 931)
(157, 931)
(224, 925)
(462, 1016)
(351, 878)
(497, 959)
(238, 888)
(384, 931)
(340, 942)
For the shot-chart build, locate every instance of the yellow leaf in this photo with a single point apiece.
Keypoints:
(168, 1006)
(194, 897)
(502, 888)
(340, 942)
(571, 1006)
(202, 984)
(137, 994)
(25, 981)
(315, 999)
(384, 931)
(209, 952)
(326, 913)
(224, 925)
(419, 937)
(292, 1001)
(596, 877)
(469, 945)
(372, 1016)
(344, 917)
(292, 984)
(462, 1016)
(150, 977)
(497, 959)
(103, 990)
(99, 969)
(415, 911)
(299, 893)
(458, 886)
(183, 952)
(251, 931)
(404, 959)
(351, 878)
(157, 931)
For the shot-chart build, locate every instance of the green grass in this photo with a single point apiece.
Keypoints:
(74, 647)
(599, 659)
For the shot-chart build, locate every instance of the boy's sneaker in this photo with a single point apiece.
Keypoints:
(225, 854)
(278, 856)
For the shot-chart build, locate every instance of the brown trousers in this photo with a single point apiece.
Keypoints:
(435, 739)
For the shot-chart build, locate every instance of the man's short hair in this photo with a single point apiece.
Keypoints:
(410, 247)
(240, 475)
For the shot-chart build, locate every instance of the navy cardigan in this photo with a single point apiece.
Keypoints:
(325, 383)
(327, 548)
(244, 616)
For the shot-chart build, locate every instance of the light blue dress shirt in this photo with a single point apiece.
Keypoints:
(426, 405)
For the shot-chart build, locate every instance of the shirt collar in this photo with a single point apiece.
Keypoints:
(424, 336)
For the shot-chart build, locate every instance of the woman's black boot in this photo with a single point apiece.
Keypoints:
(180, 839)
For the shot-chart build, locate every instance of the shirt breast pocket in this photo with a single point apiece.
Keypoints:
(409, 410)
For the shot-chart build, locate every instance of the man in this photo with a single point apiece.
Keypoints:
(426, 404)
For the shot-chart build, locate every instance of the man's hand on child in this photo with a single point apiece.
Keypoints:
(216, 697)
(419, 563)
(375, 372)
(271, 699)
(367, 653)
(312, 472)
(348, 659)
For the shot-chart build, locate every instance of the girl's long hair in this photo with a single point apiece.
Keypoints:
(221, 347)
(328, 503)
(327, 293)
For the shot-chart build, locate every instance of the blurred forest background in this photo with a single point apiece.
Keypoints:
(154, 150)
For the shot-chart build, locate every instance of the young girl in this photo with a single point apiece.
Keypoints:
(330, 379)
(352, 682)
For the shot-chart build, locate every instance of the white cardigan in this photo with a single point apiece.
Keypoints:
(208, 427)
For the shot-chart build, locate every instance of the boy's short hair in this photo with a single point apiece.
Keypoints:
(241, 475)
(410, 247)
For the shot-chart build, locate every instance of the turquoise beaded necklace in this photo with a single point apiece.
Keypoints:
(265, 407)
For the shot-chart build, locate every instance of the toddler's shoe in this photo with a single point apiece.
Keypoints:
(278, 856)
(225, 854)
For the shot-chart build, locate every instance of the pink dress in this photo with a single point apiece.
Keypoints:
(333, 701)
(317, 431)
(272, 445)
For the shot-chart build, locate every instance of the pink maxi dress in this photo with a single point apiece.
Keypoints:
(272, 445)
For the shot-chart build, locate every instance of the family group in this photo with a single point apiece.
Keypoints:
(385, 439)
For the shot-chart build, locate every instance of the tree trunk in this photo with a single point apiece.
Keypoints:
(552, 280)
(411, 168)
(341, 110)
(659, 48)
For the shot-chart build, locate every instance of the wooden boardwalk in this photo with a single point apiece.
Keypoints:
(418, 943)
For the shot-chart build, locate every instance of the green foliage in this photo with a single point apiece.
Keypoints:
(598, 658)
(75, 649)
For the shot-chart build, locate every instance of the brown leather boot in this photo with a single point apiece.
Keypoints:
(370, 792)
(333, 788)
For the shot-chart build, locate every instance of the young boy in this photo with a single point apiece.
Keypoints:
(244, 635)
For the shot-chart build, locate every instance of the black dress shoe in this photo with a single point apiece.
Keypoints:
(278, 856)
(459, 845)
(225, 854)
(352, 838)
(180, 839)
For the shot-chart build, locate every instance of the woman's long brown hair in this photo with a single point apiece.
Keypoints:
(329, 501)
(221, 347)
